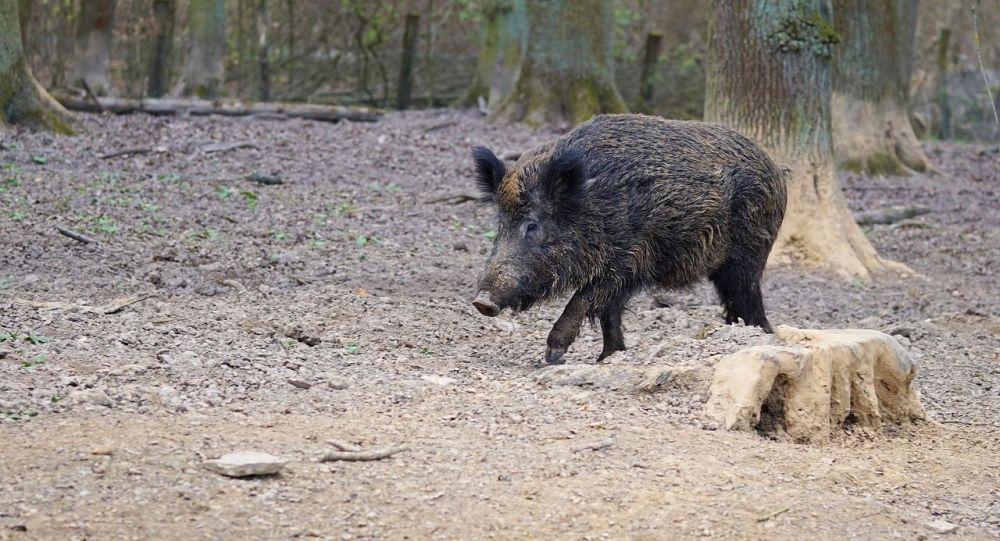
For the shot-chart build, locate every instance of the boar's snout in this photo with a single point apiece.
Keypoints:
(484, 303)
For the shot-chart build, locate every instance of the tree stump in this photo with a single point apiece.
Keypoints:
(816, 383)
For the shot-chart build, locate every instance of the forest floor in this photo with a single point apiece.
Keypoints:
(217, 314)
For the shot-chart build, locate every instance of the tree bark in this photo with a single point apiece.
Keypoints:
(872, 67)
(22, 100)
(944, 124)
(405, 87)
(503, 36)
(164, 13)
(204, 69)
(263, 52)
(650, 61)
(769, 77)
(566, 74)
(92, 58)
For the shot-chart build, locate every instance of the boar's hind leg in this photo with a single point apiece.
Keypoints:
(611, 328)
(564, 332)
(738, 285)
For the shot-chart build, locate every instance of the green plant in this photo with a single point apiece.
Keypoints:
(37, 339)
(250, 199)
(104, 224)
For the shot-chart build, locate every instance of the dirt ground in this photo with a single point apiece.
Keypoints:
(216, 313)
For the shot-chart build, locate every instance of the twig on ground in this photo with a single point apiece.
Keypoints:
(126, 152)
(264, 179)
(362, 456)
(601, 445)
(74, 235)
(441, 126)
(456, 199)
(109, 308)
(341, 445)
(777, 513)
(226, 147)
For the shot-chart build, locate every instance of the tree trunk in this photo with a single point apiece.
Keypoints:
(92, 58)
(164, 13)
(291, 63)
(503, 37)
(204, 69)
(263, 52)
(566, 74)
(769, 77)
(871, 87)
(650, 61)
(405, 87)
(22, 100)
(944, 124)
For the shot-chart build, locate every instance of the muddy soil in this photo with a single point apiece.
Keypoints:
(215, 313)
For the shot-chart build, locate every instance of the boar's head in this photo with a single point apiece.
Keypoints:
(538, 243)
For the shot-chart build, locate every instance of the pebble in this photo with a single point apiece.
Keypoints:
(91, 396)
(337, 384)
(300, 383)
(245, 463)
(942, 526)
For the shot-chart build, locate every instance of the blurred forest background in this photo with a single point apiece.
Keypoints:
(352, 52)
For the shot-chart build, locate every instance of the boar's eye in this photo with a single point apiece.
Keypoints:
(531, 230)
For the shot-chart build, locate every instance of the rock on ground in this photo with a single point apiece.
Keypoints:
(245, 463)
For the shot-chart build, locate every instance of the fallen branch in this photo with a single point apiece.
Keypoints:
(126, 152)
(177, 107)
(105, 309)
(264, 179)
(456, 199)
(74, 235)
(891, 215)
(603, 444)
(363, 456)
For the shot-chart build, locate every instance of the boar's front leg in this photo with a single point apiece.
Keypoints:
(566, 328)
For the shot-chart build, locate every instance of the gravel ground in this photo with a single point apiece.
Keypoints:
(215, 313)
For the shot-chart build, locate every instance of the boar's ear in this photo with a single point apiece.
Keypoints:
(563, 178)
(489, 171)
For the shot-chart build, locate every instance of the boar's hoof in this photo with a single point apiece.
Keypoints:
(554, 355)
(485, 305)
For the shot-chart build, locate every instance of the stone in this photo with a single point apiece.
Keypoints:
(813, 383)
(942, 527)
(245, 463)
(438, 380)
(301, 384)
(337, 384)
(91, 396)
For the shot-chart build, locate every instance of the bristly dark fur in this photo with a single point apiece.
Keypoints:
(629, 202)
(490, 170)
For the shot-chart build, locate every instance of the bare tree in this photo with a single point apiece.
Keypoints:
(204, 69)
(92, 58)
(164, 13)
